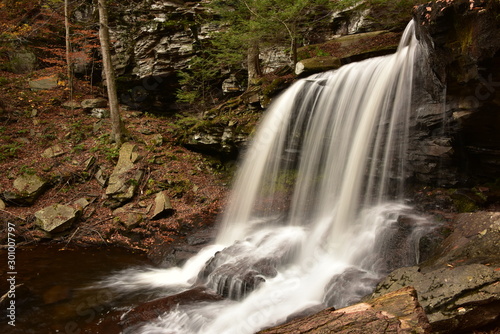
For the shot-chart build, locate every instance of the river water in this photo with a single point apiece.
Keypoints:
(51, 292)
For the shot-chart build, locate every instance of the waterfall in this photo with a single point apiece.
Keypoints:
(317, 214)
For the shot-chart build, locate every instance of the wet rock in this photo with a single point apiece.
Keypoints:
(27, 190)
(202, 237)
(163, 208)
(463, 59)
(349, 287)
(179, 254)
(458, 287)
(464, 297)
(344, 50)
(154, 309)
(125, 178)
(316, 65)
(56, 218)
(233, 278)
(396, 312)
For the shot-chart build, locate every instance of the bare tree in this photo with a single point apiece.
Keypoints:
(68, 49)
(116, 121)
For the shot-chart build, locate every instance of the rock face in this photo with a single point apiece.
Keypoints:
(461, 298)
(154, 40)
(459, 287)
(396, 312)
(56, 218)
(457, 134)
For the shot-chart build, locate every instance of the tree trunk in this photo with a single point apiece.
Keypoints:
(116, 122)
(68, 49)
(294, 51)
(398, 312)
(253, 63)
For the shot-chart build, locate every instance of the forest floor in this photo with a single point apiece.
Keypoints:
(32, 121)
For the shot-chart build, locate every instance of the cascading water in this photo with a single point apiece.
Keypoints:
(316, 214)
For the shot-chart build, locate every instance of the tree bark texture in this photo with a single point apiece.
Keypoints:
(397, 312)
(116, 122)
(253, 63)
(69, 62)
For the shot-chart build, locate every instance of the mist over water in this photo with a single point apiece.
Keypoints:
(317, 214)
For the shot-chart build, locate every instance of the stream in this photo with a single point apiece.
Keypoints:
(51, 294)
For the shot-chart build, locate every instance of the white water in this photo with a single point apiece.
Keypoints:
(315, 217)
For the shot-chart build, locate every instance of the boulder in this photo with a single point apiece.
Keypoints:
(56, 218)
(27, 190)
(155, 308)
(45, 83)
(53, 152)
(100, 113)
(101, 176)
(163, 207)
(129, 217)
(71, 105)
(94, 103)
(125, 178)
(22, 61)
(316, 65)
(396, 312)
(81, 204)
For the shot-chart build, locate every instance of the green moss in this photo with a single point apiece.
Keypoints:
(271, 88)
(463, 201)
(9, 151)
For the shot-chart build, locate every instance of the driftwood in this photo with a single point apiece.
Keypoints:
(395, 312)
